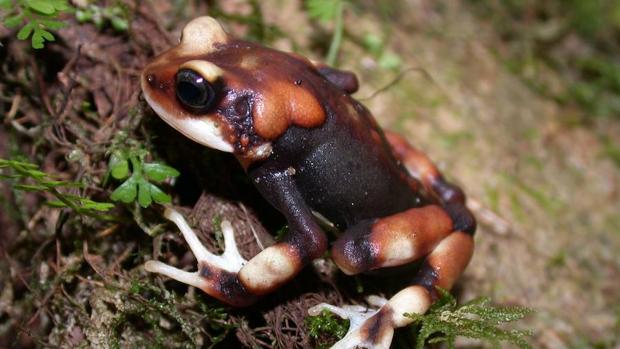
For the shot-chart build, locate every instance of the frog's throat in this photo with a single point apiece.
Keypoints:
(205, 130)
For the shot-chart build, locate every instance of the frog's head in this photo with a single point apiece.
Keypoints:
(229, 94)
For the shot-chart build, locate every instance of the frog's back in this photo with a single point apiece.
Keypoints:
(345, 169)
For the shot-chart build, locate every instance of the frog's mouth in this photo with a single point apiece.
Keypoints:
(204, 129)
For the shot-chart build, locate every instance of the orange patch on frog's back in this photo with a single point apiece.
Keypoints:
(282, 104)
(279, 82)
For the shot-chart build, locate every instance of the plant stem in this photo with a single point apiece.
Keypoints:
(334, 47)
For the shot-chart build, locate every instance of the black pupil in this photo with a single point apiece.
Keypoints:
(193, 90)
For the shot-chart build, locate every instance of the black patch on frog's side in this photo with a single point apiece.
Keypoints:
(343, 171)
(355, 247)
(238, 115)
(462, 219)
(427, 277)
(448, 192)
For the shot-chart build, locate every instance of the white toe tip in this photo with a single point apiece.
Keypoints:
(152, 266)
(226, 225)
(170, 213)
(317, 309)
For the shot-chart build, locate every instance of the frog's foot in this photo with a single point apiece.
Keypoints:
(216, 274)
(370, 328)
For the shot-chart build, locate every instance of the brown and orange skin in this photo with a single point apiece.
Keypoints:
(327, 155)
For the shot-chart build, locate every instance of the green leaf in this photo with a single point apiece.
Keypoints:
(52, 24)
(30, 187)
(6, 4)
(158, 195)
(324, 10)
(39, 36)
(60, 5)
(373, 43)
(24, 33)
(98, 20)
(119, 166)
(45, 34)
(54, 184)
(56, 204)
(390, 60)
(95, 206)
(126, 192)
(158, 172)
(119, 24)
(144, 194)
(83, 15)
(44, 182)
(14, 21)
(45, 7)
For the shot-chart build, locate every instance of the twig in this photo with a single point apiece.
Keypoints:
(487, 217)
(397, 79)
(14, 106)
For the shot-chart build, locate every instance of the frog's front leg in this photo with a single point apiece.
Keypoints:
(228, 277)
(304, 242)
(216, 274)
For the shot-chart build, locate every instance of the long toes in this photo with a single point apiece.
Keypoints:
(193, 279)
(231, 252)
(198, 249)
(230, 261)
(376, 301)
(217, 274)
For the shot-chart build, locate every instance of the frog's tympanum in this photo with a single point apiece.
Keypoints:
(312, 151)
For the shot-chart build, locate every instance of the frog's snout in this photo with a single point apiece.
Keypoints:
(154, 82)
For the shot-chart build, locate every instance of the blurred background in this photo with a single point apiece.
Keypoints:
(516, 101)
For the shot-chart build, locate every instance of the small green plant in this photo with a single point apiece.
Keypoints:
(477, 319)
(129, 165)
(100, 16)
(27, 177)
(387, 59)
(326, 11)
(326, 324)
(37, 18)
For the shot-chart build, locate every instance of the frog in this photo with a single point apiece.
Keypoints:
(317, 155)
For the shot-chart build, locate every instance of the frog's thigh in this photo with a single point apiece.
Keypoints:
(441, 268)
(398, 239)
(428, 231)
(422, 168)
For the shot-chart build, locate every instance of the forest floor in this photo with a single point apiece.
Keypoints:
(542, 177)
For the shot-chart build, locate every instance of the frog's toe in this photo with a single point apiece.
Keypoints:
(230, 261)
(369, 328)
(183, 276)
(216, 274)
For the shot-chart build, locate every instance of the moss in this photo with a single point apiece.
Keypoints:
(477, 319)
(326, 328)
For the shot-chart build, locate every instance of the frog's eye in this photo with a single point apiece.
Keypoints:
(194, 91)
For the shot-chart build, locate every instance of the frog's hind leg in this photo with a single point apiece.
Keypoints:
(424, 170)
(374, 329)
(216, 274)
(443, 235)
(429, 232)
